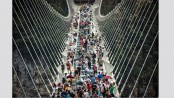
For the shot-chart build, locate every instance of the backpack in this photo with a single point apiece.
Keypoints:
(94, 55)
(63, 79)
(63, 67)
(94, 86)
(54, 85)
(95, 68)
(104, 89)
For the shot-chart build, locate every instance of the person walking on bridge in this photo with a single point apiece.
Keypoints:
(68, 66)
(95, 69)
(112, 86)
(63, 68)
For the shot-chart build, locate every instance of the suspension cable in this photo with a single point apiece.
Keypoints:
(42, 39)
(116, 22)
(55, 24)
(26, 68)
(30, 40)
(150, 79)
(32, 35)
(134, 8)
(130, 38)
(66, 29)
(138, 52)
(133, 42)
(29, 50)
(121, 23)
(48, 36)
(19, 81)
(143, 64)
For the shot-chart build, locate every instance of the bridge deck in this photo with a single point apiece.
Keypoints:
(106, 68)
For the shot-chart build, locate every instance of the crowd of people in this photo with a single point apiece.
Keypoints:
(84, 76)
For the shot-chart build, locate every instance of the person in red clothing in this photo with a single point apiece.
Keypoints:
(82, 42)
(95, 69)
(88, 86)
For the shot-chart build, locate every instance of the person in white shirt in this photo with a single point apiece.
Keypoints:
(81, 79)
(87, 69)
(88, 79)
(86, 94)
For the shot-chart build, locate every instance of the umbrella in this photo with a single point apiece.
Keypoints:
(80, 83)
(93, 79)
(100, 76)
(96, 79)
(91, 70)
(107, 77)
(70, 76)
(86, 28)
(82, 23)
(94, 82)
(69, 50)
(82, 76)
(75, 24)
(68, 88)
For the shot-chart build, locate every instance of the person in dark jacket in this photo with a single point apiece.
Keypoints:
(89, 64)
(63, 68)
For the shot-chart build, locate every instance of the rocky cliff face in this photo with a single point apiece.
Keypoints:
(108, 5)
(25, 78)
